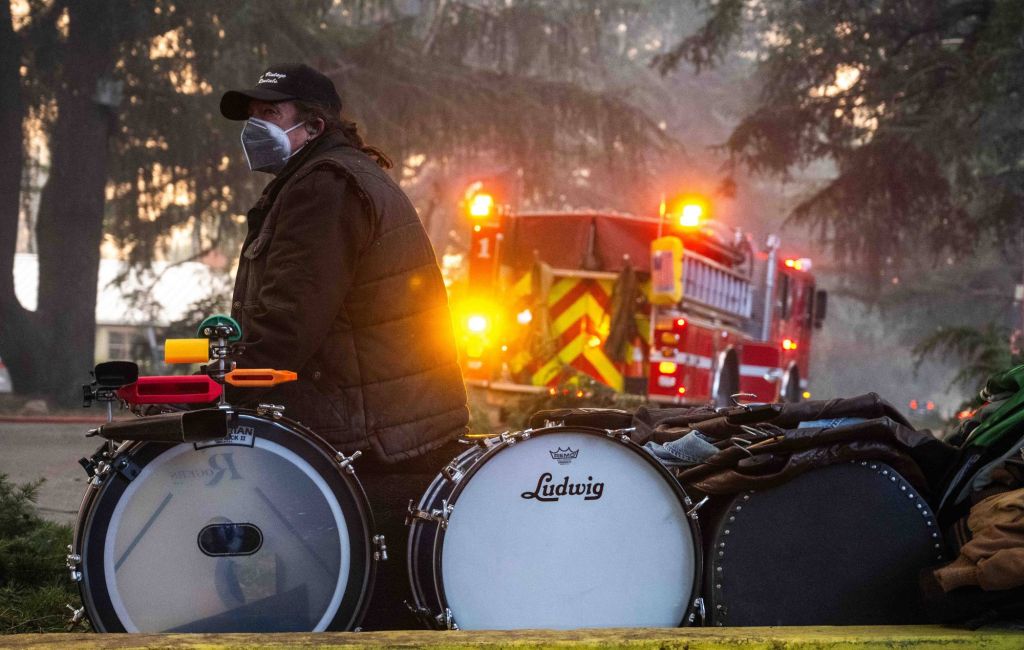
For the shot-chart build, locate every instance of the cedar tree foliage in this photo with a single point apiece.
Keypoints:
(917, 103)
(126, 95)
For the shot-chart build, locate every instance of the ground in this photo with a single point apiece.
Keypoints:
(50, 451)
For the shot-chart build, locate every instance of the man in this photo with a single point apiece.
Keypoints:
(338, 281)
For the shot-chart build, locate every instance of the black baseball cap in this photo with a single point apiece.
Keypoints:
(279, 83)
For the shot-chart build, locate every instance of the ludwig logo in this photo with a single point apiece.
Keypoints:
(564, 456)
(548, 490)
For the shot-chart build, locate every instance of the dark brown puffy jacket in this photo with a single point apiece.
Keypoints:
(365, 323)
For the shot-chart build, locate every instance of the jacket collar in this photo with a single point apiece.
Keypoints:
(325, 142)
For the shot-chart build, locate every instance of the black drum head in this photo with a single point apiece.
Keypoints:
(839, 545)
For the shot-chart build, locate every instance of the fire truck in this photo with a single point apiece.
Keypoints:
(674, 307)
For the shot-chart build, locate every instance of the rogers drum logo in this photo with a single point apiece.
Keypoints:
(564, 456)
(548, 490)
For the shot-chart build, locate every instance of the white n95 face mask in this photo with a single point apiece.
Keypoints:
(266, 145)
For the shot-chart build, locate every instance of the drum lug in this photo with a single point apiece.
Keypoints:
(489, 442)
(437, 516)
(381, 554)
(698, 611)
(73, 560)
(274, 411)
(623, 434)
(446, 620)
(345, 462)
(126, 468)
(508, 438)
(452, 472)
(692, 512)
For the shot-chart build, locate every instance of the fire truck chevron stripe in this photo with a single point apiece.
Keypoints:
(593, 291)
(585, 306)
(522, 287)
(578, 309)
(582, 356)
(585, 325)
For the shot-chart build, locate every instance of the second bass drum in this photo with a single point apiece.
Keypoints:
(559, 528)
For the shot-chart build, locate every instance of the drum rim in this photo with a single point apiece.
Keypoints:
(693, 524)
(361, 547)
(418, 532)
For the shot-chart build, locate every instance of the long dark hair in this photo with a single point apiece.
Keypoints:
(333, 121)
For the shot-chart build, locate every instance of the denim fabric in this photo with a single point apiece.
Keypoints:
(830, 423)
(692, 449)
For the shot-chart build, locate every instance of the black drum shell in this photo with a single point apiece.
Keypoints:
(838, 545)
(99, 502)
(426, 538)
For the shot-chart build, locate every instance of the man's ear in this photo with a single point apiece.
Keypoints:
(315, 127)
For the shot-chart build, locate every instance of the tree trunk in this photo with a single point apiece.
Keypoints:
(18, 336)
(56, 344)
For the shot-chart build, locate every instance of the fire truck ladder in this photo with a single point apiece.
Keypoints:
(714, 286)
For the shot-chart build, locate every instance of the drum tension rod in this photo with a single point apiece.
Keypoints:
(437, 516)
(692, 512)
(698, 611)
(76, 617)
(381, 554)
(345, 462)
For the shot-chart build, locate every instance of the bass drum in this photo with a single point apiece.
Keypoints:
(838, 545)
(559, 528)
(264, 531)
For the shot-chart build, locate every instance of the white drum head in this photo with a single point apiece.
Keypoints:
(286, 569)
(567, 530)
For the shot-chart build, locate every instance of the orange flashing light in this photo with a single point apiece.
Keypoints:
(688, 211)
(680, 322)
(691, 214)
(788, 344)
(682, 390)
(667, 368)
(913, 405)
(477, 324)
(798, 264)
(481, 206)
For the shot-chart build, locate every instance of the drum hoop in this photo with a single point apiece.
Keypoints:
(361, 551)
(692, 522)
(417, 532)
